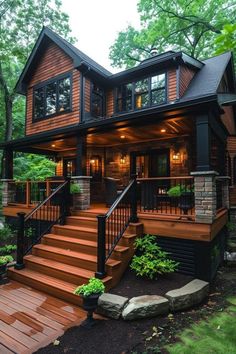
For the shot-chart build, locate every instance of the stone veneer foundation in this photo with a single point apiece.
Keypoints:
(81, 201)
(205, 196)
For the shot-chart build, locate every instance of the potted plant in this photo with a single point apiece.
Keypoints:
(90, 293)
(184, 195)
(75, 191)
(4, 260)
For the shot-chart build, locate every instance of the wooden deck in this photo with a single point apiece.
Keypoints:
(30, 319)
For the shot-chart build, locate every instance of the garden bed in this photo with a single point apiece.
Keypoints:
(146, 335)
(130, 285)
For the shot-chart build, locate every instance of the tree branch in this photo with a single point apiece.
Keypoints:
(193, 19)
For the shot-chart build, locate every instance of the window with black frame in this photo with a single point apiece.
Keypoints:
(97, 101)
(147, 92)
(124, 98)
(52, 98)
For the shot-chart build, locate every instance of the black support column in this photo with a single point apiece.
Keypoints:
(7, 163)
(81, 156)
(203, 137)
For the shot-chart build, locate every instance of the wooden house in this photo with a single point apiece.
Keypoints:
(152, 149)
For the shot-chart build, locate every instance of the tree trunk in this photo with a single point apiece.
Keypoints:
(8, 113)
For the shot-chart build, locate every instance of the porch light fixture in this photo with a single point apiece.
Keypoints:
(53, 145)
(163, 130)
(176, 156)
(92, 161)
(123, 159)
(122, 136)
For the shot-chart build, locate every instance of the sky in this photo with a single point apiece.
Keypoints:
(96, 23)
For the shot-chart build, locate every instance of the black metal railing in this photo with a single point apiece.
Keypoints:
(31, 192)
(112, 225)
(167, 195)
(38, 222)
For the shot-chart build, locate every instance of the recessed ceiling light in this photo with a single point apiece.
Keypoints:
(122, 136)
(163, 130)
(53, 145)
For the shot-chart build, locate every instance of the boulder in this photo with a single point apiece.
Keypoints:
(111, 305)
(145, 306)
(189, 295)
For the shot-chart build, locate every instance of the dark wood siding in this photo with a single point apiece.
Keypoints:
(53, 62)
(185, 76)
(87, 95)
(110, 103)
(171, 85)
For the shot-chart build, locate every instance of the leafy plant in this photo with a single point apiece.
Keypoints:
(5, 259)
(231, 226)
(7, 249)
(178, 190)
(75, 188)
(6, 233)
(94, 286)
(153, 260)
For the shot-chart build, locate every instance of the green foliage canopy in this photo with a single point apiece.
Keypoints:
(191, 26)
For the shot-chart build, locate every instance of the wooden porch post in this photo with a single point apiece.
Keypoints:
(203, 137)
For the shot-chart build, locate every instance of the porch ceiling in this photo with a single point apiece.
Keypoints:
(133, 134)
(166, 129)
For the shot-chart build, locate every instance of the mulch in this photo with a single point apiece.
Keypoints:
(131, 285)
(147, 336)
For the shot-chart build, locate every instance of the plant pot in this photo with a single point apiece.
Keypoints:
(90, 304)
(186, 202)
(3, 269)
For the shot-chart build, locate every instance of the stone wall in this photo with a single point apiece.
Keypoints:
(205, 196)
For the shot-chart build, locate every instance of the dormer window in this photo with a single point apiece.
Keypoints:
(52, 98)
(144, 93)
(97, 101)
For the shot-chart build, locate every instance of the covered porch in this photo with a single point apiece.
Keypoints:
(179, 163)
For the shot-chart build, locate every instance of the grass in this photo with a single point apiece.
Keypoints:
(217, 335)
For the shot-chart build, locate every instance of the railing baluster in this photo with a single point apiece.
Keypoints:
(20, 241)
(101, 255)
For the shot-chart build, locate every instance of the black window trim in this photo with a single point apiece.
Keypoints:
(149, 92)
(92, 83)
(43, 85)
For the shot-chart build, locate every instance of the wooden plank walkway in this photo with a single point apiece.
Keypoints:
(30, 319)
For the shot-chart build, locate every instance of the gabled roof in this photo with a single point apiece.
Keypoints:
(78, 57)
(207, 80)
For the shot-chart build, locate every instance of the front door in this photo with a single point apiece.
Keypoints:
(69, 167)
(154, 163)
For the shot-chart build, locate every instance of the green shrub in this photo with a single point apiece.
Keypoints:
(6, 233)
(5, 259)
(7, 249)
(94, 286)
(153, 260)
(177, 190)
(231, 226)
(75, 188)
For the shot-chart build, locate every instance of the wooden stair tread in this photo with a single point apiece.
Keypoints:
(51, 281)
(60, 266)
(83, 218)
(76, 228)
(72, 240)
(70, 253)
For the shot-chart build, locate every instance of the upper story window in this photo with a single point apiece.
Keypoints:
(97, 101)
(143, 93)
(53, 97)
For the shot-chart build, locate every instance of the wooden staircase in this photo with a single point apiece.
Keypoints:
(67, 257)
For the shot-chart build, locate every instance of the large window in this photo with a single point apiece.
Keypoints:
(97, 101)
(52, 98)
(148, 92)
